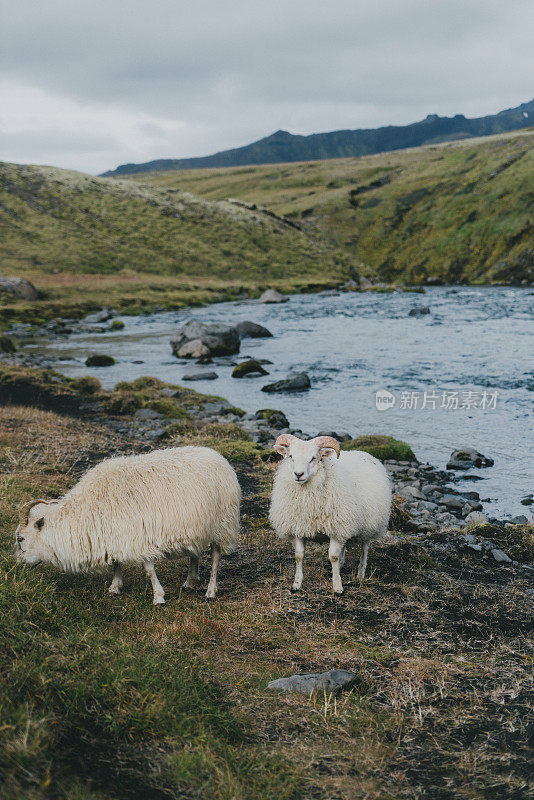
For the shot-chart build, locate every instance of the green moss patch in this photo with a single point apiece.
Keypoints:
(385, 448)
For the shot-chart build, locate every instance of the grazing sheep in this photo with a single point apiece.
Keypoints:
(138, 509)
(341, 498)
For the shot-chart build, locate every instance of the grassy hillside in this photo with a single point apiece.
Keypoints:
(460, 211)
(147, 245)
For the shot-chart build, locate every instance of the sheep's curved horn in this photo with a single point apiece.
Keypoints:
(284, 440)
(327, 441)
(25, 509)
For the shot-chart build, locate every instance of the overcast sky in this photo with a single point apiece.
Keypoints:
(91, 85)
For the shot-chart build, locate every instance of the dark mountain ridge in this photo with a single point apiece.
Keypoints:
(283, 147)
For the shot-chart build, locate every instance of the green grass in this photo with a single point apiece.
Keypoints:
(460, 211)
(109, 698)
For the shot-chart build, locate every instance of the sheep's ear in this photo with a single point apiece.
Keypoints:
(327, 445)
(282, 443)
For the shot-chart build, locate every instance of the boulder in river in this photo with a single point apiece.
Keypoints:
(251, 330)
(419, 311)
(468, 457)
(19, 287)
(200, 375)
(99, 360)
(217, 339)
(193, 349)
(295, 382)
(250, 367)
(99, 316)
(273, 296)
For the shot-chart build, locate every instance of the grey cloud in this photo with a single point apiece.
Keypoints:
(238, 70)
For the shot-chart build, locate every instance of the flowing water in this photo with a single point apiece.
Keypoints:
(472, 356)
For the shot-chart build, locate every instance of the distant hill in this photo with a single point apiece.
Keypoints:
(282, 147)
(456, 212)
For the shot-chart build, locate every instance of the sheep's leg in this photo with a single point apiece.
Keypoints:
(299, 559)
(334, 553)
(159, 594)
(116, 583)
(215, 558)
(342, 557)
(192, 580)
(363, 561)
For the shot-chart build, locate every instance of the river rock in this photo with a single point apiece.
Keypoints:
(250, 367)
(276, 419)
(217, 340)
(333, 680)
(476, 518)
(468, 457)
(251, 330)
(342, 436)
(296, 382)
(99, 360)
(419, 311)
(19, 287)
(452, 501)
(528, 500)
(272, 296)
(217, 408)
(99, 316)
(200, 375)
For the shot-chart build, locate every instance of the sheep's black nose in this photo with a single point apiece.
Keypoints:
(298, 475)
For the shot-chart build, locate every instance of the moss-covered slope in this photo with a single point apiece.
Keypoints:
(58, 221)
(456, 212)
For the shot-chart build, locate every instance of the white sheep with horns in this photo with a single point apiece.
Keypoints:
(137, 509)
(320, 491)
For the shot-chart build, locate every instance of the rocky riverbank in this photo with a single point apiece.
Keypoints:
(426, 500)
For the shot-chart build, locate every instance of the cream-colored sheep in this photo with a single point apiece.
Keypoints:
(320, 491)
(137, 509)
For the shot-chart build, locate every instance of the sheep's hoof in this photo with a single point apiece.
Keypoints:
(296, 587)
(192, 583)
(339, 590)
(211, 595)
(159, 601)
(114, 589)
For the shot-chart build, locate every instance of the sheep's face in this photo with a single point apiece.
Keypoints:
(306, 457)
(29, 536)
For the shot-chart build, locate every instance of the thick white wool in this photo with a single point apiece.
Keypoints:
(349, 497)
(139, 508)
